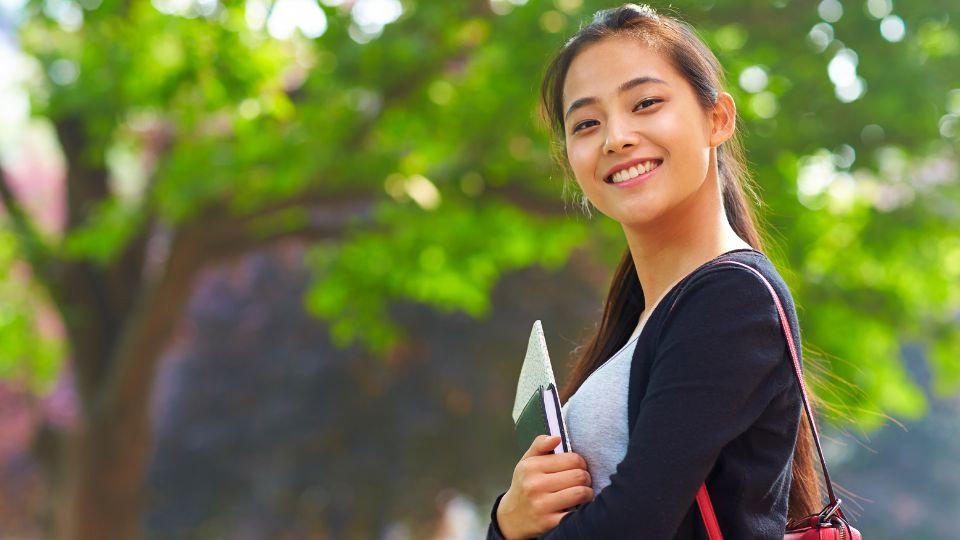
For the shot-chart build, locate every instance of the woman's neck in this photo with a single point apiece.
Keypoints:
(666, 251)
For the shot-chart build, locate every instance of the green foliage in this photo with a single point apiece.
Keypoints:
(946, 368)
(434, 122)
(29, 356)
(108, 231)
(449, 258)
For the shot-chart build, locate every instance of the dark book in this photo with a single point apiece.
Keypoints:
(536, 407)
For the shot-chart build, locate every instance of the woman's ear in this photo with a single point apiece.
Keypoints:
(723, 117)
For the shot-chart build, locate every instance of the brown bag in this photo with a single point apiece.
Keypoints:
(830, 523)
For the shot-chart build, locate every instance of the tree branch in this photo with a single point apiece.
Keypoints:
(309, 217)
(149, 326)
(86, 179)
(35, 249)
(215, 235)
(96, 300)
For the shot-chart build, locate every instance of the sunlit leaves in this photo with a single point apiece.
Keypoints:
(849, 118)
(107, 232)
(730, 37)
(938, 39)
(945, 361)
(449, 258)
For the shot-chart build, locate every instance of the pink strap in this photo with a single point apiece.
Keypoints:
(703, 498)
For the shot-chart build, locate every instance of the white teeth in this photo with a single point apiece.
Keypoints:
(633, 172)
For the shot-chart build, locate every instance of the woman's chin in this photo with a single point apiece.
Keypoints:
(632, 216)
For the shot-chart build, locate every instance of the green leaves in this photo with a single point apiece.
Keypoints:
(109, 229)
(31, 349)
(436, 119)
(449, 258)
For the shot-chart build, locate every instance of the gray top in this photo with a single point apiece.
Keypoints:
(596, 416)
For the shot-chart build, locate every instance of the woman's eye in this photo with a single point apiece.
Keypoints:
(647, 103)
(583, 125)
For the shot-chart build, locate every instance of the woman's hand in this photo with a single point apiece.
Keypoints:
(544, 488)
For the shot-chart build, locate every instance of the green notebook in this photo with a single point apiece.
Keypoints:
(536, 407)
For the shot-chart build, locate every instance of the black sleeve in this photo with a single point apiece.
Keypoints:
(714, 372)
(493, 530)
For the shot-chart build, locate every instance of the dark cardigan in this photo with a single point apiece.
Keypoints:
(712, 396)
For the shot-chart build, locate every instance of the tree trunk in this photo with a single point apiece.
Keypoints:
(115, 352)
(106, 458)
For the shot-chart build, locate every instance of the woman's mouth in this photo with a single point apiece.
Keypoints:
(637, 172)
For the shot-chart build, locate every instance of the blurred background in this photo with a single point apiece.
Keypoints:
(268, 267)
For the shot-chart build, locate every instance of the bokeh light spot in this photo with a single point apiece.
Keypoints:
(893, 29)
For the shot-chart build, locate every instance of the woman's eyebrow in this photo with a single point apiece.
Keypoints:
(632, 83)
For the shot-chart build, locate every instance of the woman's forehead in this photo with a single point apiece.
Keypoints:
(601, 68)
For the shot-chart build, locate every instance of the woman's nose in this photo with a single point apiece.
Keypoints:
(619, 137)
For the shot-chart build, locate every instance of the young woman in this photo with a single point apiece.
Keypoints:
(689, 378)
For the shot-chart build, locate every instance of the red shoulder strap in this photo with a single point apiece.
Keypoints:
(707, 513)
(703, 498)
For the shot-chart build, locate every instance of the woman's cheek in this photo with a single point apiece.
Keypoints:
(579, 162)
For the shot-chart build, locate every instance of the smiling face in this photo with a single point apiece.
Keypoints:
(639, 142)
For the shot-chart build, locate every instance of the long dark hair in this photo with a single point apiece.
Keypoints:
(679, 43)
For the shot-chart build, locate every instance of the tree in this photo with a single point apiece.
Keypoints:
(403, 144)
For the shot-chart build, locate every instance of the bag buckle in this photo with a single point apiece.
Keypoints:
(829, 511)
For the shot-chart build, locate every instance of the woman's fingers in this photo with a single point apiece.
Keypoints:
(544, 487)
(538, 486)
(542, 444)
(559, 481)
(568, 498)
(551, 463)
(558, 492)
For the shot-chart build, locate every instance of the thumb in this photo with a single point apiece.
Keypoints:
(542, 444)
